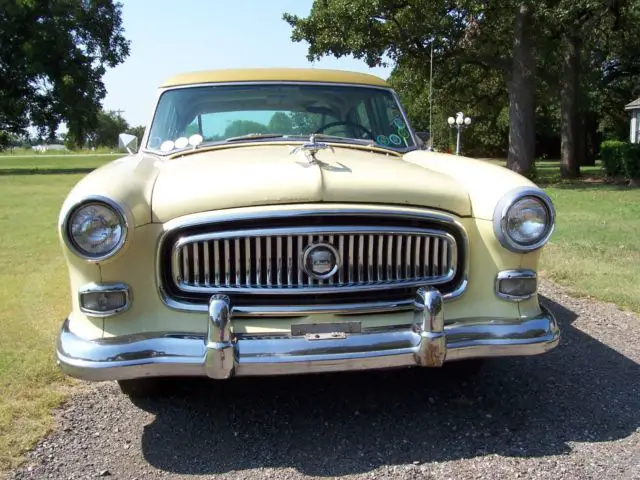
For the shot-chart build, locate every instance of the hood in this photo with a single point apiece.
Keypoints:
(268, 174)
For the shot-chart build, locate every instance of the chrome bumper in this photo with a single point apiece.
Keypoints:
(219, 354)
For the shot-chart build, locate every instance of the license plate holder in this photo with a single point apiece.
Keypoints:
(325, 331)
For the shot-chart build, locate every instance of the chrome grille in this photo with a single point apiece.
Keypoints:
(270, 261)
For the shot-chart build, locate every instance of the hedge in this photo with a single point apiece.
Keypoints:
(620, 159)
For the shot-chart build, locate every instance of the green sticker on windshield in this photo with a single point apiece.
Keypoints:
(382, 140)
(395, 139)
(398, 122)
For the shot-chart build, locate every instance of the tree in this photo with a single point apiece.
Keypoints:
(108, 127)
(594, 45)
(138, 132)
(244, 127)
(495, 36)
(280, 122)
(53, 55)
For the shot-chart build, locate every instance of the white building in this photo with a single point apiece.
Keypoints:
(634, 109)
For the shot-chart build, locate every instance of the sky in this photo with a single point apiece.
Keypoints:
(169, 37)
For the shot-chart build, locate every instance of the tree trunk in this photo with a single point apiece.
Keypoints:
(581, 137)
(569, 121)
(591, 140)
(521, 87)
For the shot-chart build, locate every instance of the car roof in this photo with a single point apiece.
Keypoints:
(274, 74)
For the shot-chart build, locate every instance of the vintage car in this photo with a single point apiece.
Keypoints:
(290, 221)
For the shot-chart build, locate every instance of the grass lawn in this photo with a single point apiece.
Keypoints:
(34, 299)
(595, 250)
(29, 152)
(14, 164)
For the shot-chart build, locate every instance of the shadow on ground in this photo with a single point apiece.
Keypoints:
(343, 424)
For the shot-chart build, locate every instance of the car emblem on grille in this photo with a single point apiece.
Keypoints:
(320, 261)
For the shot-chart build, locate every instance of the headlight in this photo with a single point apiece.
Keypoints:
(95, 229)
(524, 220)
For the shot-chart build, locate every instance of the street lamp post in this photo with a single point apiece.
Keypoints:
(459, 123)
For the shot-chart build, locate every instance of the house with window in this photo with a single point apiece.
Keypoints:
(634, 109)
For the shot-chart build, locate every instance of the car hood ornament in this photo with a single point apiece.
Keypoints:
(310, 148)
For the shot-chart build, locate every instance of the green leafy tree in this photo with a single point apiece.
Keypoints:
(244, 127)
(495, 36)
(280, 122)
(137, 131)
(108, 127)
(590, 54)
(53, 55)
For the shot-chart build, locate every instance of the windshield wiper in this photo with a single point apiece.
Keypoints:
(360, 141)
(254, 136)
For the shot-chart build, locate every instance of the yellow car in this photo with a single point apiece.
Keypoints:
(290, 221)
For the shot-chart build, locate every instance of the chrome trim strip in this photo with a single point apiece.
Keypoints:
(207, 277)
(289, 261)
(407, 260)
(435, 261)
(360, 257)
(310, 210)
(379, 259)
(247, 260)
(236, 254)
(185, 264)
(105, 288)
(426, 264)
(416, 266)
(500, 218)
(337, 308)
(516, 273)
(339, 260)
(370, 258)
(268, 260)
(218, 354)
(227, 263)
(127, 223)
(399, 258)
(389, 256)
(196, 263)
(216, 254)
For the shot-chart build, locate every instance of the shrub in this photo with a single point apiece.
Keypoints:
(612, 153)
(631, 161)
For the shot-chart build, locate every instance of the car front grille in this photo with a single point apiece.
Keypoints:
(277, 261)
(368, 257)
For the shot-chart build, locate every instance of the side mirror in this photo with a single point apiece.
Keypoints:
(128, 142)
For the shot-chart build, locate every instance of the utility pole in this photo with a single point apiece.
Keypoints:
(431, 100)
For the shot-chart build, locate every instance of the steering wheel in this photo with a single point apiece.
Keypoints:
(353, 124)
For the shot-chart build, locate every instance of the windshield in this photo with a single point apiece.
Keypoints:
(268, 111)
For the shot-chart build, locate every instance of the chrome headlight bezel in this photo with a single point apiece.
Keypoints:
(501, 216)
(125, 222)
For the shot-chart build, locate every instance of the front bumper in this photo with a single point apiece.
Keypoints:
(219, 354)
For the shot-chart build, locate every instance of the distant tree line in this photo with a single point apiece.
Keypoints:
(539, 78)
(102, 134)
(53, 55)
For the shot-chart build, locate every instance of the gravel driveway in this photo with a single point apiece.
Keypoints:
(573, 413)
